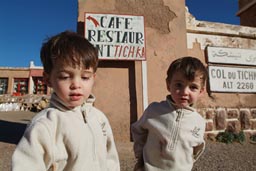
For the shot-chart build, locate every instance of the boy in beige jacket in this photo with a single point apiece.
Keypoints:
(71, 134)
(170, 134)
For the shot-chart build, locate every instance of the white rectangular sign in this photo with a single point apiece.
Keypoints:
(231, 56)
(232, 79)
(118, 37)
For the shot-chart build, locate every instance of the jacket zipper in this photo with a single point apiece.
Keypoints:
(175, 130)
(91, 130)
(179, 112)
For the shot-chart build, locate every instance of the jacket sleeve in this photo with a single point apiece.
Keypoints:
(33, 152)
(199, 149)
(139, 135)
(113, 163)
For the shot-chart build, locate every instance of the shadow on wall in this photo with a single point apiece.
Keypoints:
(132, 86)
(11, 132)
(130, 65)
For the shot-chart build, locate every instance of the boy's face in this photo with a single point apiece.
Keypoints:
(183, 91)
(72, 85)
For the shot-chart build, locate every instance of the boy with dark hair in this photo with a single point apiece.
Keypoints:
(70, 134)
(170, 134)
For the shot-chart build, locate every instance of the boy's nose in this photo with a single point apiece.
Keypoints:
(185, 90)
(75, 84)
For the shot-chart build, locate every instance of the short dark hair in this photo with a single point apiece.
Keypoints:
(189, 66)
(69, 49)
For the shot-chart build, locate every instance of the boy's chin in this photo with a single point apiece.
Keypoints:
(183, 105)
(74, 105)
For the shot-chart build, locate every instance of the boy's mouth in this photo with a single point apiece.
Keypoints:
(183, 99)
(75, 96)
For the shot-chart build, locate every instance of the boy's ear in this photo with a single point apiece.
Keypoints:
(167, 85)
(202, 91)
(47, 79)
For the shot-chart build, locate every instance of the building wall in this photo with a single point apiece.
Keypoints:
(118, 87)
(228, 111)
(247, 12)
(33, 76)
(12, 73)
(201, 34)
(171, 32)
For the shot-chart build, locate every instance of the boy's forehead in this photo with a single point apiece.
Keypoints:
(73, 67)
(65, 64)
(182, 74)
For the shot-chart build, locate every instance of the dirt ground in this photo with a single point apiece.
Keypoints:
(217, 156)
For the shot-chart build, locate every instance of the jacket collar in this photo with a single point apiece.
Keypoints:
(172, 103)
(56, 102)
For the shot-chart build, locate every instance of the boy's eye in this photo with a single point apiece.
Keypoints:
(178, 85)
(194, 87)
(63, 77)
(85, 78)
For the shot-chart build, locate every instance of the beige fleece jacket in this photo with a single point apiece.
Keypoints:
(168, 139)
(67, 140)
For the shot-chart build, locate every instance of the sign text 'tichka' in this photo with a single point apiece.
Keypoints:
(118, 37)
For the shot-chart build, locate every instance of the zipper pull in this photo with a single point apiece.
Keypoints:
(84, 116)
(178, 116)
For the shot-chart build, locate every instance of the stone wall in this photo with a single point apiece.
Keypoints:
(235, 120)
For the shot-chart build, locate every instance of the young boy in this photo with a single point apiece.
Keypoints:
(70, 134)
(170, 134)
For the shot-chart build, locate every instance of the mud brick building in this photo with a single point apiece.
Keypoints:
(151, 34)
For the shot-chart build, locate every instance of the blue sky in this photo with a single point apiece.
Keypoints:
(24, 25)
(223, 11)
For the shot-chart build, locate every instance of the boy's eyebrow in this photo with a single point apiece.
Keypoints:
(178, 80)
(62, 70)
(82, 71)
(87, 72)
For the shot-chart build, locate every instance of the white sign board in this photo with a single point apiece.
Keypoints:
(118, 37)
(235, 79)
(231, 56)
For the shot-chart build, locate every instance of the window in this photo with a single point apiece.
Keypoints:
(20, 86)
(3, 85)
(39, 86)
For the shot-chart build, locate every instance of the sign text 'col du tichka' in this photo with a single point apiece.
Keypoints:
(239, 73)
(118, 37)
